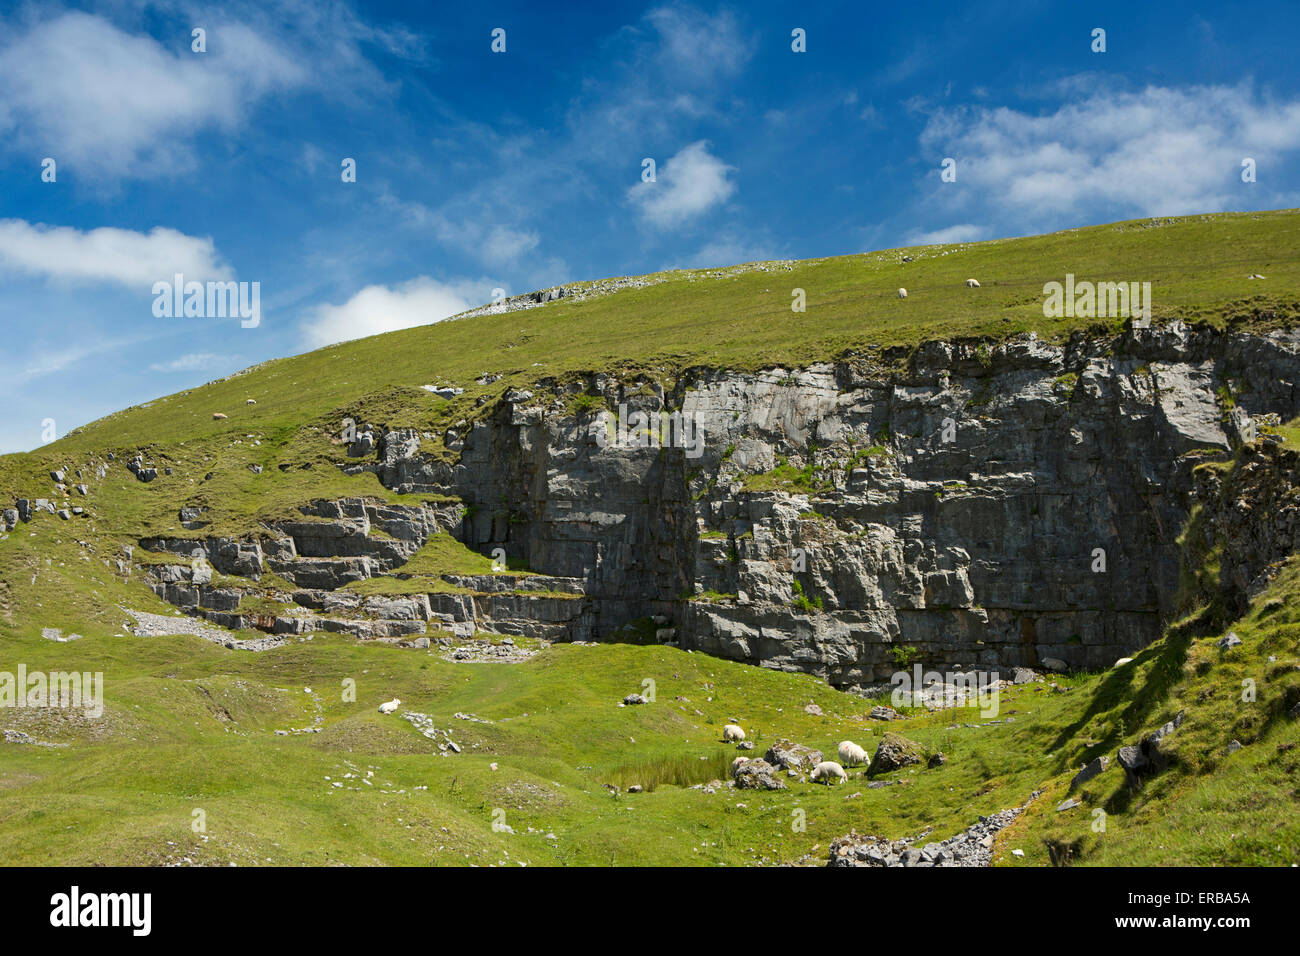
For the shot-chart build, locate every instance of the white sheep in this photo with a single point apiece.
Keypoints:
(851, 755)
(387, 707)
(827, 769)
(737, 764)
(902, 293)
(972, 283)
(732, 733)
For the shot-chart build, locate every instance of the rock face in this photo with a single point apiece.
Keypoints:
(982, 507)
(1253, 515)
(963, 506)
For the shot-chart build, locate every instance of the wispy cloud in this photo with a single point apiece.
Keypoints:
(966, 232)
(121, 256)
(195, 362)
(698, 47)
(51, 360)
(106, 102)
(1158, 151)
(728, 249)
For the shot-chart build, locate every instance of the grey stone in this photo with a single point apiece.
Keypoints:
(787, 755)
(758, 775)
(1092, 769)
(1230, 640)
(895, 752)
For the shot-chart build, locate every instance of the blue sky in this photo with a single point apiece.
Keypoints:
(518, 170)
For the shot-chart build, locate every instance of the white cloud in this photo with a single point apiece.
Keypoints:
(378, 308)
(696, 46)
(1159, 151)
(689, 183)
(504, 245)
(194, 362)
(498, 246)
(105, 102)
(966, 232)
(107, 254)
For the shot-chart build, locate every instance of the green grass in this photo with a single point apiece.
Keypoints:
(191, 726)
(788, 478)
(1211, 807)
(422, 572)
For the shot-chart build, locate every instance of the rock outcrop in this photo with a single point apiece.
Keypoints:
(963, 506)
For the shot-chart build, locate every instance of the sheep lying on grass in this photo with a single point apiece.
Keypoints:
(851, 755)
(828, 769)
(902, 293)
(732, 733)
(388, 706)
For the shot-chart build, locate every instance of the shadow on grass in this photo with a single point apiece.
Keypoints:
(1116, 688)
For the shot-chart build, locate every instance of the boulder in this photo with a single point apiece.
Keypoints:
(1092, 769)
(1131, 758)
(1229, 641)
(758, 775)
(786, 755)
(895, 751)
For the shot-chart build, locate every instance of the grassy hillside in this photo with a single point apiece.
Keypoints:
(1198, 267)
(1214, 806)
(193, 726)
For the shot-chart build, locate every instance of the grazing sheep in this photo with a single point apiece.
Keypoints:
(217, 416)
(737, 764)
(972, 283)
(827, 769)
(732, 733)
(851, 754)
(902, 293)
(389, 706)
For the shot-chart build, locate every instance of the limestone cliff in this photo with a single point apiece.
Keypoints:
(960, 505)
